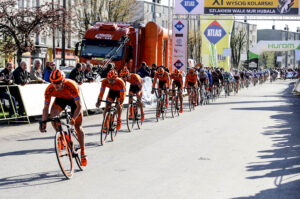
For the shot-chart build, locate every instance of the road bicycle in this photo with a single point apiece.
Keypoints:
(227, 88)
(133, 115)
(192, 98)
(175, 110)
(109, 124)
(66, 145)
(204, 99)
(161, 109)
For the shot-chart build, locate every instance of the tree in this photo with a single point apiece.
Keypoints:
(237, 43)
(267, 59)
(90, 11)
(21, 24)
(194, 43)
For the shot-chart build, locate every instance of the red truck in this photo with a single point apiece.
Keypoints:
(125, 44)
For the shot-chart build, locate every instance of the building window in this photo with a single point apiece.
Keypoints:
(43, 40)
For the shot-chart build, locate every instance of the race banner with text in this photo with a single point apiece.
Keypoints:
(179, 42)
(253, 7)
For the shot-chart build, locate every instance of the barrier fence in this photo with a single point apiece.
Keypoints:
(31, 98)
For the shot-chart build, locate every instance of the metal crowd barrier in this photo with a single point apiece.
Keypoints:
(32, 98)
(13, 92)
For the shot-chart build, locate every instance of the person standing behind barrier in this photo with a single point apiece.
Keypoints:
(20, 74)
(144, 71)
(50, 66)
(153, 70)
(88, 73)
(35, 73)
(77, 74)
(105, 70)
(21, 77)
(6, 77)
(6, 74)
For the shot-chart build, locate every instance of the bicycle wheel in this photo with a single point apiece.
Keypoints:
(77, 151)
(130, 121)
(138, 115)
(64, 155)
(190, 102)
(173, 107)
(177, 105)
(105, 129)
(113, 125)
(157, 112)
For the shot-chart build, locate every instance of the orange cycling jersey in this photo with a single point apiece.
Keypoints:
(177, 78)
(118, 85)
(164, 78)
(70, 91)
(135, 79)
(191, 78)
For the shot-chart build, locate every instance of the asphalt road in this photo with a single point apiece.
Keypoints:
(243, 147)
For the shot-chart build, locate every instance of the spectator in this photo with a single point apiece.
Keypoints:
(105, 70)
(153, 70)
(77, 74)
(50, 66)
(144, 71)
(6, 77)
(6, 74)
(88, 73)
(35, 73)
(21, 75)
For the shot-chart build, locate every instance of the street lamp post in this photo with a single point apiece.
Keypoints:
(63, 43)
(286, 38)
(53, 37)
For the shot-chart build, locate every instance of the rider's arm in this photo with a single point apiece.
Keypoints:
(102, 89)
(154, 82)
(122, 92)
(45, 112)
(168, 81)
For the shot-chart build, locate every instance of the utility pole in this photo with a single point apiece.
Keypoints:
(286, 38)
(168, 59)
(63, 43)
(53, 38)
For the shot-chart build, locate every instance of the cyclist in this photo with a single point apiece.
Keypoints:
(117, 91)
(204, 82)
(177, 81)
(191, 80)
(163, 84)
(136, 85)
(66, 92)
(215, 79)
(237, 77)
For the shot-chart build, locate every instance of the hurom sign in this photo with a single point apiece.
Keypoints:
(263, 46)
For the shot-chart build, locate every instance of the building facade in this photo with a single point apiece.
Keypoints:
(251, 39)
(45, 43)
(154, 11)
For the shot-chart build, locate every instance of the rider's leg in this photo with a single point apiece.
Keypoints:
(55, 111)
(166, 93)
